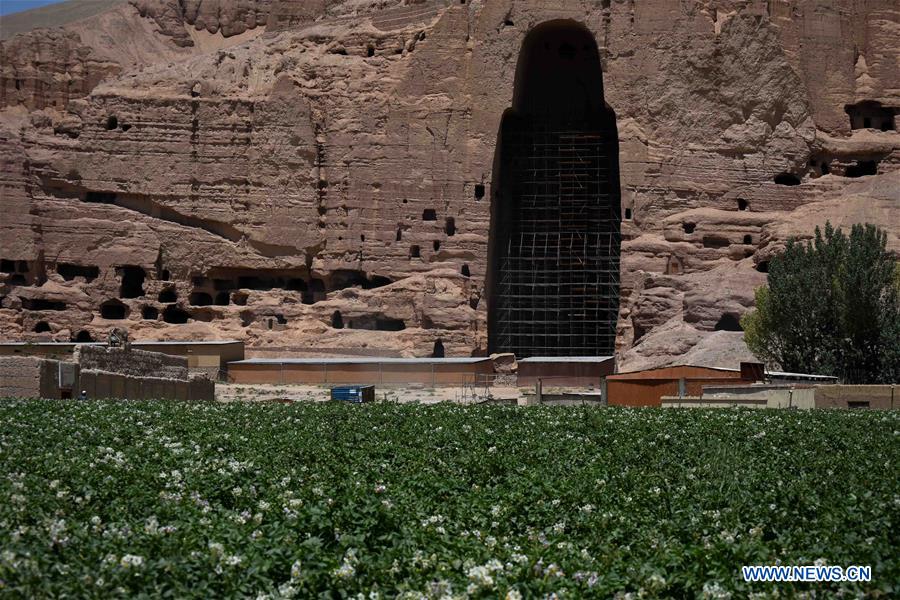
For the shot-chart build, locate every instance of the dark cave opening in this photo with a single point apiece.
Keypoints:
(438, 350)
(42, 304)
(113, 310)
(149, 313)
(168, 295)
(200, 299)
(132, 281)
(176, 316)
(862, 168)
(870, 114)
(728, 322)
(100, 197)
(83, 337)
(315, 291)
(42, 327)
(787, 179)
(223, 298)
(556, 206)
(70, 271)
(376, 323)
(715, 241)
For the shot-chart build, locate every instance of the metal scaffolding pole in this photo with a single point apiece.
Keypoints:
(559, 276)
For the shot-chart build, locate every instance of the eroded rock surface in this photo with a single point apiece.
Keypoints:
(325, 187)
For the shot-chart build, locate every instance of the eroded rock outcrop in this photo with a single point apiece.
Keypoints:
(230, 17)
(49, 67)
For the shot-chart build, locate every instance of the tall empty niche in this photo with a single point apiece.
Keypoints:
(555, 213)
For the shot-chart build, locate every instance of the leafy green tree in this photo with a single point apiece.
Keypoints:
(832, 307)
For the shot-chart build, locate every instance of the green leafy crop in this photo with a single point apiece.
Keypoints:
(155, 499)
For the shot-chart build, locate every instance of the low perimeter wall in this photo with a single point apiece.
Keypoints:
(100, 384)
(34, 377)
(820, 396)
(858, 396)
(800, 398)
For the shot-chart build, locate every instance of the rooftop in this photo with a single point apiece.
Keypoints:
(565, 359)
(357, 361)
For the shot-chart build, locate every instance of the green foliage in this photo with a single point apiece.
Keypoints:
(155, 499)
(831, 307)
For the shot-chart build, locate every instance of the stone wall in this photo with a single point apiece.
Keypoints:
(747, 397)
(32, 377)
(810, 396)
(850, 396)
(29, 377)
(100, 384)
(137, 363)
(20, 377)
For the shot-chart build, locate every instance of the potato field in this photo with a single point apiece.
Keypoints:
(165, 499)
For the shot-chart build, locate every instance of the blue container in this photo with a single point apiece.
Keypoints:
(353, 393)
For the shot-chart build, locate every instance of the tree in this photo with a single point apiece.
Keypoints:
(831, 307)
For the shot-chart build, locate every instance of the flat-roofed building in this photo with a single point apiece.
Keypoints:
(429, 372)
(565, 371)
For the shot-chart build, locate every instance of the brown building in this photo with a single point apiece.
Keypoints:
(554, 371)
(648, 387)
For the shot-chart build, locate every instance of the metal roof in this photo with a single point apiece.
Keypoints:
(565, 359)
(356, 361)
(786, 375)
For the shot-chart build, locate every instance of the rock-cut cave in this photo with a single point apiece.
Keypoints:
(555, 217)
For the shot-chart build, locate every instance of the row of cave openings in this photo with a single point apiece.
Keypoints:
(863, 115)
(430, 214)
(222, 288)
(867, 114)
(371, 50)
(415, 250)
(728, 321)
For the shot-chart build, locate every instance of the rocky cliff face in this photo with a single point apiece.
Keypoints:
(326, 187)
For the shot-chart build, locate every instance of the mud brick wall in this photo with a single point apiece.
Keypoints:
(101, 384)
(841, 396)
(138, 363)
(28, 377)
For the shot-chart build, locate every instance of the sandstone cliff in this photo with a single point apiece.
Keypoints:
(324, 183)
